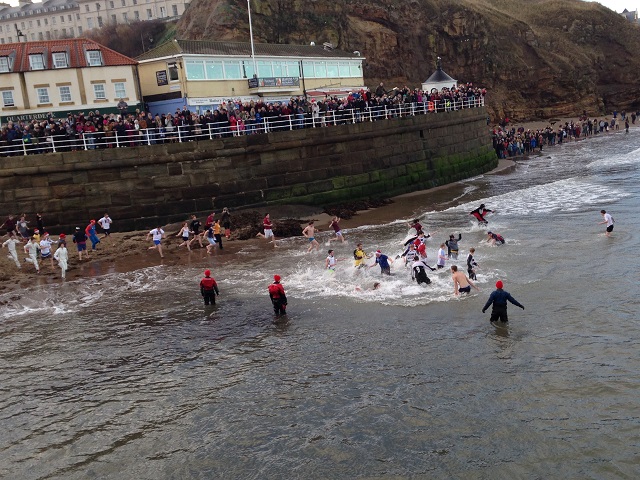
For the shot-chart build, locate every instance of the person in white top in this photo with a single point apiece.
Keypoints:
(442, 256)
(45, 248)
(11, 243)
(608, 219)
(62, 256)
(32, 249)
(105, 222)
(158, 235)
(330, 262)
(184, 233)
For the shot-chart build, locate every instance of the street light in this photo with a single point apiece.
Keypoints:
(253, 53)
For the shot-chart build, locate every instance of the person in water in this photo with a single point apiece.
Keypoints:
(309, 233)
(278, 297)
(418, 271)
(359, 256)
(480, 212)
(418, 228)
(452, 246)
(461, 283)
(495, 238)
(209, 288)
(441, 257)
(383, 261)
(335, 224)
(498, 299)
(471, 264)
(608, 219)
(330, 262)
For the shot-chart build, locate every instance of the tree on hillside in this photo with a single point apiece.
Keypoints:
(131, 39)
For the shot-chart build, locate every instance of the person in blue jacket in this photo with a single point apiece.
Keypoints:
(499, 300)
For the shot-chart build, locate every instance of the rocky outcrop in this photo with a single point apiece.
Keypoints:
(538, 58)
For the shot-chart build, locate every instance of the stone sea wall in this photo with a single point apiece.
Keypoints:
(146, 186)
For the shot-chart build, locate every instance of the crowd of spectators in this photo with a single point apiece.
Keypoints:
(512, 142)
(96, 130)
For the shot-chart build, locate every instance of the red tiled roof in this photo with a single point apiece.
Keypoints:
(75, 46)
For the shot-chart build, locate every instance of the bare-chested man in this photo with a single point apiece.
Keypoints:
(461, 282)
(310, 233)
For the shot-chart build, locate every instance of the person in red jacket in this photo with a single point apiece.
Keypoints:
(278, 297)
(209, 288)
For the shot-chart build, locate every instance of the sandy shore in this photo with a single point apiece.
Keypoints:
(124, 252)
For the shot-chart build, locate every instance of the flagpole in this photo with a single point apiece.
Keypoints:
(253, 53)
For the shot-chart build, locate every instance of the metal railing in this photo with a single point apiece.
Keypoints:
(209, 131)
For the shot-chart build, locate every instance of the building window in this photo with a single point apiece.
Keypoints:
(47, 35)
(64, 33)
(43, 95)
(121, 91)
(149, 14)
(61, 18)
(30, 23)
(53, 20)
(100, 23)
(86, 7)
(214, 70)
(38, 23)
(77, 16)
(70, 18)
(135, 2)
(173, 72)
(2, 41)
(65, 94)
(37, 62)
(125, 17)
(174, 8)
(163, 12)
(264, 69)
(232, 70)
(98, 91)
(111, 5)
(6, 64)
(124, 3)
(7, 98)
(136, 15)
(60, 60)
(97, 7)
(195, 70)
(40, 36)
(79, 30)
(114, 19)
(94, 58)
(46, 21)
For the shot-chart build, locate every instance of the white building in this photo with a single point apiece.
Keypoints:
(438, 80)
(53, 19)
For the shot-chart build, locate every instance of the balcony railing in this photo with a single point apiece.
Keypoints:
(209, 131)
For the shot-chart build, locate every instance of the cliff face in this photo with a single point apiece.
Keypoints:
(539, 58)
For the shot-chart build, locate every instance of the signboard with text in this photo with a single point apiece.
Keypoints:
(161, 78)
(274, 82)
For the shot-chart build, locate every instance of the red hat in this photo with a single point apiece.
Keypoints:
(35, 230)
(207, 273)
(62, 235)
(499, 284)
(378, 251)
(276, 278)
(93, 221)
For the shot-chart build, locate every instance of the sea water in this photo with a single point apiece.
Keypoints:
(129, 376)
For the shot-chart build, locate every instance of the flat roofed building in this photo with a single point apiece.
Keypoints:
(61, 76)
(204, 74)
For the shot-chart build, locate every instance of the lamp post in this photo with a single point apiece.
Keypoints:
(253, 53)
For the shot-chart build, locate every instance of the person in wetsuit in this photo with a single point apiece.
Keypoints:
(471, 264)
(498, 299)
(209, 288)
(495, 238)
(480, 212)
(278, 297)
